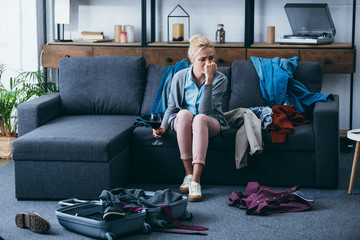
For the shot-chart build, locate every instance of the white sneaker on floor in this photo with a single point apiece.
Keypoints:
(184, 188)
(194, 192)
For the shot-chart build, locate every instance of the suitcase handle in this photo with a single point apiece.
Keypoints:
(71, 201)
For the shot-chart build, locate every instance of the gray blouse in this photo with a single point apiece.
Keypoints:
(210, 102)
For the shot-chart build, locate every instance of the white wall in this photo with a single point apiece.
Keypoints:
(19, 32)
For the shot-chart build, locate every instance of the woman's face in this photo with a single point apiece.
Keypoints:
(204, 57)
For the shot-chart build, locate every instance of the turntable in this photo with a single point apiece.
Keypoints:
(310, 23)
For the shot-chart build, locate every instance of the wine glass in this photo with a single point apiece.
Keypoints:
(155, 122)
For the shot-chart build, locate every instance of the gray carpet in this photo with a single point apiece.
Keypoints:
(336, 215)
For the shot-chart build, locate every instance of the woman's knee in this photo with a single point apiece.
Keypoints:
(183, 119)
(184, 116)
(200, 119)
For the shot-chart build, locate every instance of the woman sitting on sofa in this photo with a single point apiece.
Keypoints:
(194, 111)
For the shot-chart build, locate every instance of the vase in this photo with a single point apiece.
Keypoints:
(6, 146)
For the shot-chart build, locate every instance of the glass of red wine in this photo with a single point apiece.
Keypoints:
(155, 122)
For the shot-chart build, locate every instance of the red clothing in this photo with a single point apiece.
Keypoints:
(284, 118)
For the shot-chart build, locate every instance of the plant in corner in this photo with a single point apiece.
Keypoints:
(25, 86)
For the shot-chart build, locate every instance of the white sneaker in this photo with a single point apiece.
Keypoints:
(184, 188)
(194, 192)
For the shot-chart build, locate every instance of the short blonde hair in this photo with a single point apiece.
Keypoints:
(197, 43)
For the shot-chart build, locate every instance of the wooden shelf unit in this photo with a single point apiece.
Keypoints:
(337, 58)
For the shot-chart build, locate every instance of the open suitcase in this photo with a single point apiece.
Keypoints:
(84, 217)
(71, 218)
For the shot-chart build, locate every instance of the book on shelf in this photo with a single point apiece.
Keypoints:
(95, 37)
(82, 40)
(92, 35)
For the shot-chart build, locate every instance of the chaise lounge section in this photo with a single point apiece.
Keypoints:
(80, 141)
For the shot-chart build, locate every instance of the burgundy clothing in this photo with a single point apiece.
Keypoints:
(284, 118)
(262, 200)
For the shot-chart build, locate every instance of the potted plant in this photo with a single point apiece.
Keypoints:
(25, 86)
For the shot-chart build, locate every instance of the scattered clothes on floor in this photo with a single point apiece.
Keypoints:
(139, 198)
(284, 118)
(262, 200)
(249, 133)
(159, 214)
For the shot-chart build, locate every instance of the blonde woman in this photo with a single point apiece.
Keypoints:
(194, 111)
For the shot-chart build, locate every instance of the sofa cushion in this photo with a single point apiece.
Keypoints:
(309, 74)
(102, 85)
(302, 139)
(153, 79)
(76, 138)
(245, 86)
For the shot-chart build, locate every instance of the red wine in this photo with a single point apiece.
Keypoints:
(155, 125)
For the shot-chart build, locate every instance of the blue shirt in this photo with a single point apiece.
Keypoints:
(192, 93)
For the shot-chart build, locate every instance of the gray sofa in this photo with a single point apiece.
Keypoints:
(80, 141)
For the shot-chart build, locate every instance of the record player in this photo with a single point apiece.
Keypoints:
(310, 24)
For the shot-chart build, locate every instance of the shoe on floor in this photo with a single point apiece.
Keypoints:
(33, 221)
(184, 188)
(194, 192)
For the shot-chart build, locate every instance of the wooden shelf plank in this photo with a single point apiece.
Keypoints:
(174, 44)
(277, 45)
(133, 44)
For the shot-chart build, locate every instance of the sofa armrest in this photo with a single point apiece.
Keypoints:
(326, 130)
(37, 112)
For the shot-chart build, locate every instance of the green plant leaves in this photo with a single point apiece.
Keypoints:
(23, 87)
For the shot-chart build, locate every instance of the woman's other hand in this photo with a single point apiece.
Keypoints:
(158, 132)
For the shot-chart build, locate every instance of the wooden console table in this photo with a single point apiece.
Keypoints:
(334, 58)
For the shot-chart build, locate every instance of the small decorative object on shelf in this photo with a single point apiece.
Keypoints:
(270, 34)
(130, 33)
(220, 34)
(179, 20)
(123, 35)
(178, 31)
(117, 32)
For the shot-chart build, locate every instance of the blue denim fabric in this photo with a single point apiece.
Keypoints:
(264, 113)
(161, 100)
(278, 85)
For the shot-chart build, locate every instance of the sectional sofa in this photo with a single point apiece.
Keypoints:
(80, 141)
